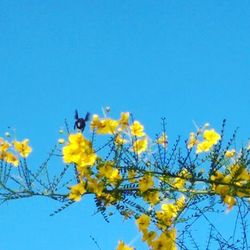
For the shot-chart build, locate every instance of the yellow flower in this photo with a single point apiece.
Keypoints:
(84, 172)
(160, 243)
(179, 182)
(131, 175)
(211, 136)
(192, 140)
(168, 213)
(22, 147)
(87, 159)
(163, 140)
(112, 174)
(217, 176)
(238, 175)
(77, 191)
(244, 192)
(180, 203)
(145, 183)
(108, 199)
(77, 139)
(204, 146)
(143, 222)
(105, 169)
(104, 126)
(122, 246)
(124, 120)
(95, 186)
(108, 126)
(4, 145)
(240, 172)
(165, 241)
(11, 158)
(230, 201)
(95, 122)
(152, 197)
(71, 154)
(79, 151)
(149, 236)
(230, 153)
(140, 145)
(164, 219)
(119, 140)
(137, 129)
(170, 209)
(221, 189)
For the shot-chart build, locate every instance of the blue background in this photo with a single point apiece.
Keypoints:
(186, 60)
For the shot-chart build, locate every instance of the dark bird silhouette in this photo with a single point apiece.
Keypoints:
(80, 123)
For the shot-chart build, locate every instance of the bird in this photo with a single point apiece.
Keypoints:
(80, 123)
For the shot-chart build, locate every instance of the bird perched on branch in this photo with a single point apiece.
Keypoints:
(80, 123)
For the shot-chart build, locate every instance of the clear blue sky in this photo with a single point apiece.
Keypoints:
(186, 60)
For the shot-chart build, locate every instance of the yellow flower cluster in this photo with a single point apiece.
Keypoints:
(147, 178)
(95, 181)
(90, 183)
(121, 129)
(166, 240)
(122, 246)
(230, 153)
(104, 126)
(231, 184)
(140, 145)
(79, 151)
(109, 172)
(152, 197)
(169, 212)
(179, 182)
(110, 126)
(145, 183)
(137, 129)
(209, 138)
(8, 150)
(131, 175)
(22, 147)
(109, 182)
(77, 191)
(120, 140)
